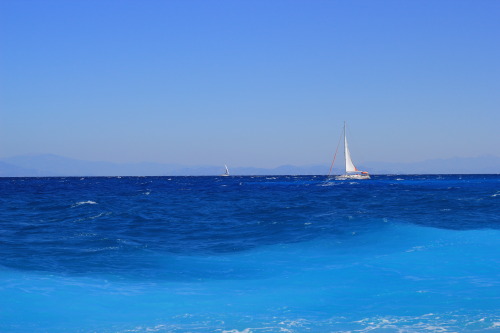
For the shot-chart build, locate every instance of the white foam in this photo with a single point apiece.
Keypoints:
(327, 183)
(416, 248)
(89, 202)
(148, 329)
(101, 249)
(431, 322)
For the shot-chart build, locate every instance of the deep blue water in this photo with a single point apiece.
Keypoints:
(250, 254)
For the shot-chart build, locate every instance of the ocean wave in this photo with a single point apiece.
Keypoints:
(93, 217)
(267, 256)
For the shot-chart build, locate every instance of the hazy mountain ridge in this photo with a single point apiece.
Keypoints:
(455, 165)
(11, 170)
(53, 165)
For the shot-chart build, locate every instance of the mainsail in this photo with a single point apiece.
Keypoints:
(349, 167)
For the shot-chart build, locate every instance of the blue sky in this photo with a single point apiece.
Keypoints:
(249, 83)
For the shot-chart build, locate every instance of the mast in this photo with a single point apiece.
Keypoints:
(345, 149)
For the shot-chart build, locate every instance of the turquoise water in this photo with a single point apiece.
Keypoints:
(250, 254)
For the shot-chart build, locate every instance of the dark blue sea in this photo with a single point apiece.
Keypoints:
(263, 254)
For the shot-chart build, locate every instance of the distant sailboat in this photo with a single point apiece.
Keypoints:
(351, 172)
(227, 171)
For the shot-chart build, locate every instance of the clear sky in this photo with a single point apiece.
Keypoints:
(249, 83)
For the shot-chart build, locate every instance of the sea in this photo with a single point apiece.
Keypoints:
(397, 253)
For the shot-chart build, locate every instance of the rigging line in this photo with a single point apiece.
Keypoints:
(334, 156)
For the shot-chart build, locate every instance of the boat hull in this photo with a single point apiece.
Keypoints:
(351, 177)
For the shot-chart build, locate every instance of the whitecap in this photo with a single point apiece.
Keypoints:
(101, 249)
(416, 248)
(89, 202)
(328, 183)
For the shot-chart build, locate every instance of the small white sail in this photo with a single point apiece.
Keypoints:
(226, 173)
(349, 166)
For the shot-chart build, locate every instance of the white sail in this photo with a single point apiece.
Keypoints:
(349, 167)
(227, 170)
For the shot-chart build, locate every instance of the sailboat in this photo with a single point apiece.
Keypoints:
(227, 171)
(351, 172)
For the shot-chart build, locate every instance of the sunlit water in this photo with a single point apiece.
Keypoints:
(250, 254)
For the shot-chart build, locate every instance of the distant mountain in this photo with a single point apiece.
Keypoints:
(54, 165)
(10, 170)
(49, 165)
(455, 165)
